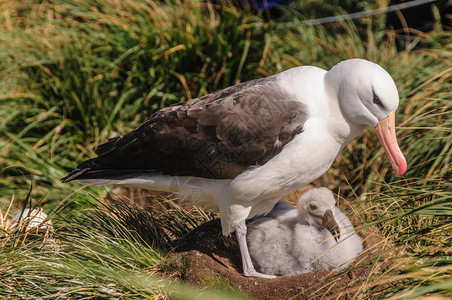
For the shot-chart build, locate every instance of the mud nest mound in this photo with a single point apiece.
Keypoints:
(205, 255)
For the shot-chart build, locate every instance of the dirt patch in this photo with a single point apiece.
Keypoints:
(205, 253)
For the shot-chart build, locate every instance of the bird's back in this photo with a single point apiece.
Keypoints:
(215, 136)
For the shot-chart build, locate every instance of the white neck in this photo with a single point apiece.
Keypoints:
(342, 129)
(305, 84)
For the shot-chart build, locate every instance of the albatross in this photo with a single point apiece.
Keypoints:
(242, 148)
(314, 235)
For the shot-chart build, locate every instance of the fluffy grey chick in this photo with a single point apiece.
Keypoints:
(315, 235)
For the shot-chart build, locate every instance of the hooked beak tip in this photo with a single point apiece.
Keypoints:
(402, 168)
(336, 238)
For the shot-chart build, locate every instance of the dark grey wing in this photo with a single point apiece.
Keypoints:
(216, 136)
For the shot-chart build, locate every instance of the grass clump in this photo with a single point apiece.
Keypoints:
(94, 255)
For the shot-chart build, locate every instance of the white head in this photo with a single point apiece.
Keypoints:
(366, 92)
(367, 95)
(316, 207)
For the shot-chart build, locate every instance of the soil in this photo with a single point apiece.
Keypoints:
(205, 255)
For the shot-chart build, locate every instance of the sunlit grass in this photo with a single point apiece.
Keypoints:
(72, 73)
(97, 254)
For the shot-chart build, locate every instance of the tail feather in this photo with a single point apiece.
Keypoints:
(74, 175)
(93, 170)
(134, 180)
(116, 174)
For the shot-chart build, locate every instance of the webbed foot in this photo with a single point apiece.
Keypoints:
(254, 273)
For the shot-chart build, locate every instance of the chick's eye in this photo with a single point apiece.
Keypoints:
(377, 101)
(312, 206)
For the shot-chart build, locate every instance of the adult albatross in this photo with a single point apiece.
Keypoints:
(244, 147)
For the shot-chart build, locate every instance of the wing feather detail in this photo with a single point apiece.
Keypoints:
(216, 136)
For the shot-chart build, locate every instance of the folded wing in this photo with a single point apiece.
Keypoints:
(216, 136)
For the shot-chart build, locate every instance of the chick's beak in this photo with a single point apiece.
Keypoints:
(330, 223)
(386, 134)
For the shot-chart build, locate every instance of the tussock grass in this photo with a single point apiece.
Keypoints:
(94, 255)
(159, 228)
(73, 73)
(415, 216)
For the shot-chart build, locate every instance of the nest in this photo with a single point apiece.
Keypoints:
(206, 254)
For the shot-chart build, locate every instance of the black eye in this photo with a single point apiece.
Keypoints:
(312, 206)
(377, 101)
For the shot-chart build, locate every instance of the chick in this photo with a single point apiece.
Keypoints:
(315, 235)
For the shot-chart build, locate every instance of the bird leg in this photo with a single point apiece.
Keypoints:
(248, 268)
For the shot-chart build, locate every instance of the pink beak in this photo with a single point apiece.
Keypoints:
(386, 134)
